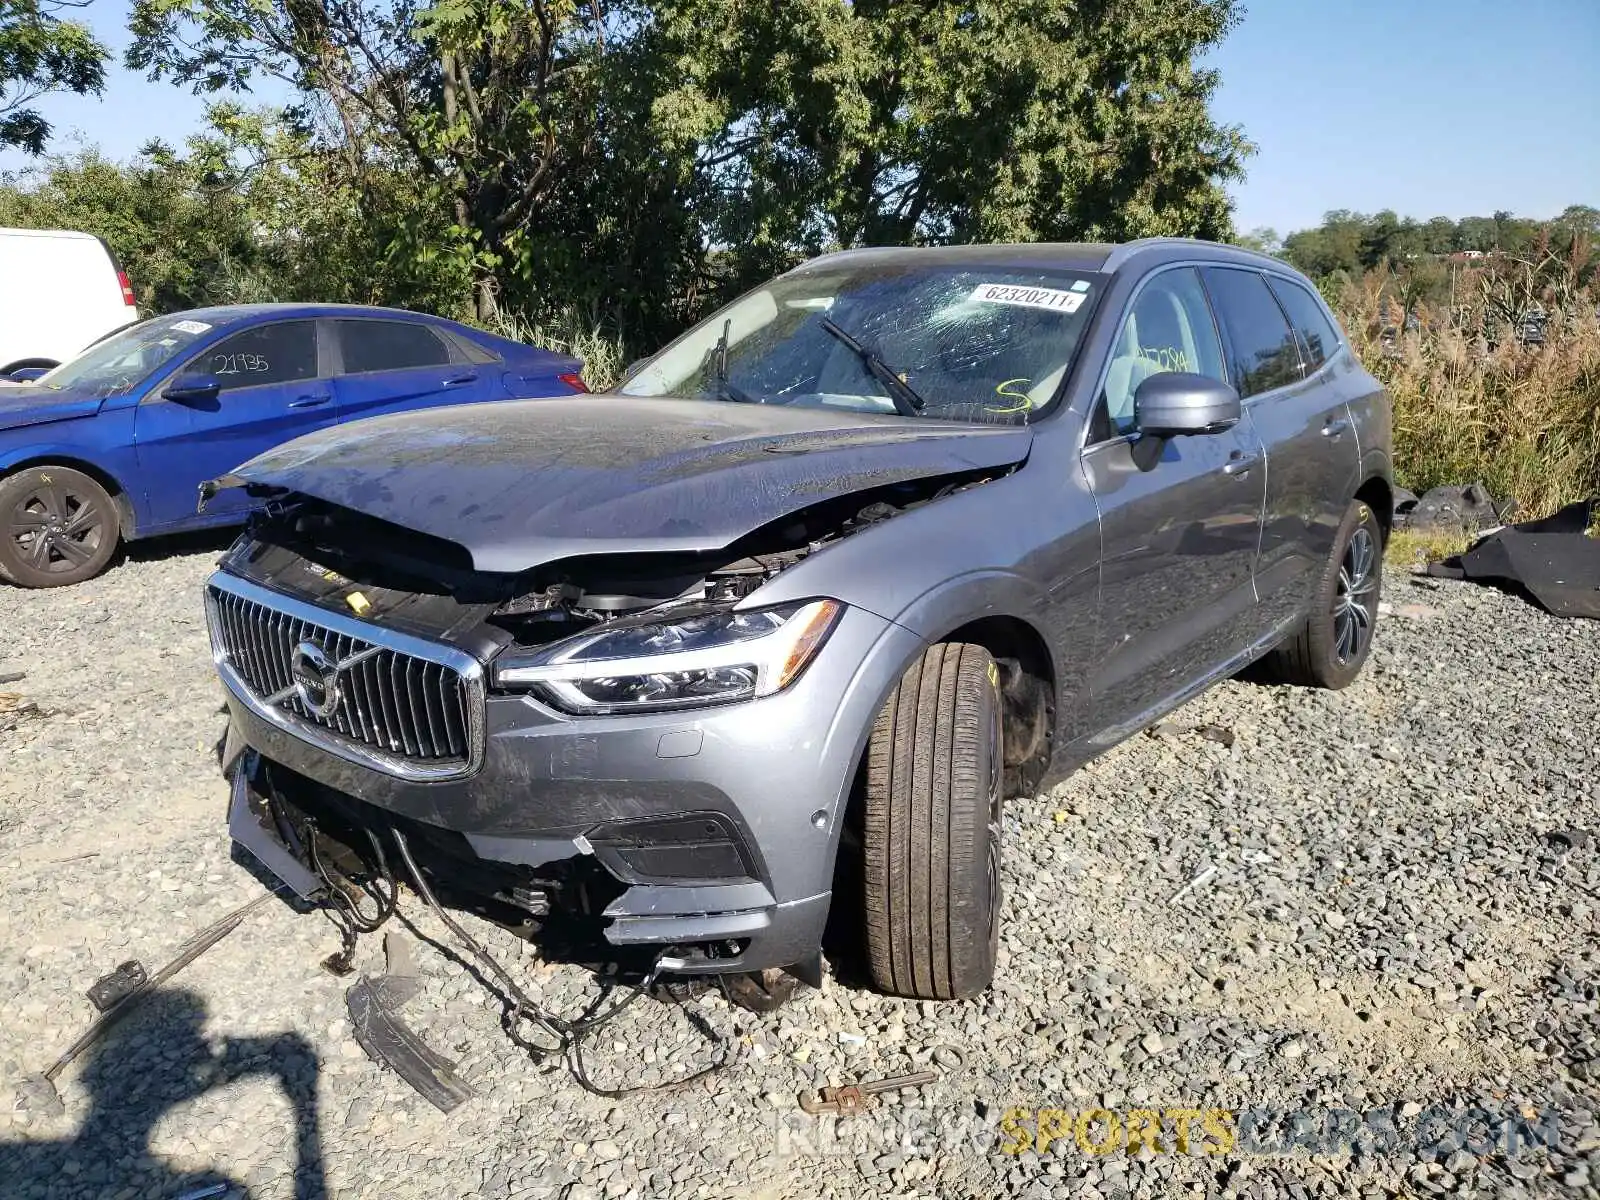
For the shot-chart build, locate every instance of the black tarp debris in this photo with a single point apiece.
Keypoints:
(1551, 562)
(1463, 509)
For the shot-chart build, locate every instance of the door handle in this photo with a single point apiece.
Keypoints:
(1334, 430)
(1239, 463)
(458, 380)
(310, 401)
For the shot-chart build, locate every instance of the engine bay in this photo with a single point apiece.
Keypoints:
(427, 585)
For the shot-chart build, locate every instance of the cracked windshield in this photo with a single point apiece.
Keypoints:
(970, 344)
(119, 362)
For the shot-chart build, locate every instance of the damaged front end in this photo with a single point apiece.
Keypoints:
(563, 747)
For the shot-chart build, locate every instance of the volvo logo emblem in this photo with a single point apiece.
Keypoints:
(316, 679)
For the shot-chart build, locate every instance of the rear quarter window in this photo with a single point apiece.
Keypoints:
(1318, 336)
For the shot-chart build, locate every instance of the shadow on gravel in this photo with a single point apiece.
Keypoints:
(175, 544)
(154, 1060)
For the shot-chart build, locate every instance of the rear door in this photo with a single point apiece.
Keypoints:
(273, 389)
(396, 365)
(1180, 517)
(1302, 419)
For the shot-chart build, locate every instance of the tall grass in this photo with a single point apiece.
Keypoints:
(1523, 418)
(604, 357)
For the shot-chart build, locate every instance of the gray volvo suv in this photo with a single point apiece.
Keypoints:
(788, 617)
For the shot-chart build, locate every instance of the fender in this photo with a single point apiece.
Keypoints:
(93, 460)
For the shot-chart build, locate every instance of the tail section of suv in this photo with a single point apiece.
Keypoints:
(888, 540)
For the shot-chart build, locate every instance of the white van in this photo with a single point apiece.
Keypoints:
(59, 291)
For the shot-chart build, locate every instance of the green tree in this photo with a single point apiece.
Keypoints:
(177, 224)
(1263, 238)
(636, 161)
(482, 104)
(40, 52)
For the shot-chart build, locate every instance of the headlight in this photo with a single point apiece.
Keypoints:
(712, 658)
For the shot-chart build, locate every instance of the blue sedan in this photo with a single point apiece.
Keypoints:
(113, 445)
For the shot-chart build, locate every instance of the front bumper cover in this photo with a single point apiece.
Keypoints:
(718, 826)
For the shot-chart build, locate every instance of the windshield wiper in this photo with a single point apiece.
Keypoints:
(906, 401)
(727, 388)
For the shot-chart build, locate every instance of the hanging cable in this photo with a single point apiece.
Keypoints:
(567, 1035)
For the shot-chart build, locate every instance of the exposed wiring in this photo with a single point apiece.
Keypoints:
(567, 1035)
(343, 909)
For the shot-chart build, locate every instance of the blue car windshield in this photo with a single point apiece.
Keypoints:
(962, 342)
(126, 359)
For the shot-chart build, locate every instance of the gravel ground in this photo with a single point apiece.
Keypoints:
(1381, 899)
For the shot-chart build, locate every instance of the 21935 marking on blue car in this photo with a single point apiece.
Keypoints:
(113, 445)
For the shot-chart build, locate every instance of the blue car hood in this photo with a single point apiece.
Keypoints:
(20, 406)
(521, 483)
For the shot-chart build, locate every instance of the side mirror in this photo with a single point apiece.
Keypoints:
(1176, 403)
(193, 389)
(632, 368)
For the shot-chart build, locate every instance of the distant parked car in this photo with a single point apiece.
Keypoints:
(113, 445)
(59, 291)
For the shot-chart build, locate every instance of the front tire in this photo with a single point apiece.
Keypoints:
(932, 827)
(1329, 649)
(58, 527)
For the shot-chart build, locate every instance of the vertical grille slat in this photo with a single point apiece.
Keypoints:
(376, 675)
(408, 707)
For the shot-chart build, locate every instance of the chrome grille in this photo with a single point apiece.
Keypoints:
(399, 703)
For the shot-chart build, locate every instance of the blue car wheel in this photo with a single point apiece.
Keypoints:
(57, 527)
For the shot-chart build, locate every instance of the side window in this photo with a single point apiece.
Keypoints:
(1169, 329)
(389, 346)
(1318, 337)
(1264, 352)
(279, 353)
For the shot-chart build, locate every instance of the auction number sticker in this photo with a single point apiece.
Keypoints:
(1029, 297)
(190, 326)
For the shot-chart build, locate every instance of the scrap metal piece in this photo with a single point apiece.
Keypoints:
(38, 1093)
(374, 1006)
(857, 1097)
(116, 986)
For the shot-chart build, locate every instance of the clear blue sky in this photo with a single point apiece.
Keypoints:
(1429, 107)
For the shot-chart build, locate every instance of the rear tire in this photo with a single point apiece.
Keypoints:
(932, 828)
(23, 364)
(1329, 649)
(58, 527)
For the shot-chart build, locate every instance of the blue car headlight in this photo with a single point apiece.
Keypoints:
(707, 658)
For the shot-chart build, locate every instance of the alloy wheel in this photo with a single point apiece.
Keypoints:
(1353, 599)
(55, 528)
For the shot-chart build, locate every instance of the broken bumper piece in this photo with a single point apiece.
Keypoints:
(735, 925)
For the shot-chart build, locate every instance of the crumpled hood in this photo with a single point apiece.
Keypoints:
(520, 483)
(20, 406)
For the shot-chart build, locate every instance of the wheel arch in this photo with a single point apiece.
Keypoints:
(1000, 612)
(1376, 493)
(126, 523)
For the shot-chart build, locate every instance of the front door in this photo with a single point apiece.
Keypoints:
(1180, 517)
(271, 391)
